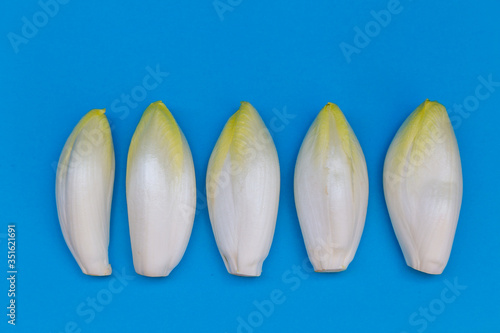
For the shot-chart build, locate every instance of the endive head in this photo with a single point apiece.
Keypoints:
(243, 191)
(331, 191)
(84, 187)
(161, 192)
(423, 187)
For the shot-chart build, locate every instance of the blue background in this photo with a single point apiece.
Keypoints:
(278, 55)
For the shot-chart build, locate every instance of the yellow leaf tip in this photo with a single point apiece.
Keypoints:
(431, 107)
(98, 112)
(331, 108)
(158, 104)
(246, 108)
(428, 102)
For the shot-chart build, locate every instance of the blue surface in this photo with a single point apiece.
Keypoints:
(278, 55)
